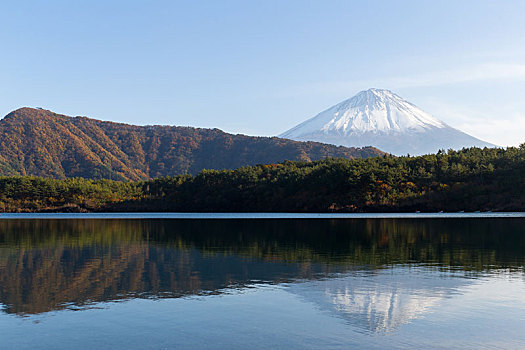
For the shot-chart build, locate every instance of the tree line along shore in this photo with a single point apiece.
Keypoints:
(472, 179)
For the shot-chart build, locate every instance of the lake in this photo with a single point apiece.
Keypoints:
(236, 281)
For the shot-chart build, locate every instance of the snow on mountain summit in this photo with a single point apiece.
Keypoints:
(382, 119)
(373, 110)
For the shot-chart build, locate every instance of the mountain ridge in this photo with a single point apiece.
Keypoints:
(385, 120)
(43, 143)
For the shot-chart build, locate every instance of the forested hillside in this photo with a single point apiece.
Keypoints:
(42, 143)
(470, 180)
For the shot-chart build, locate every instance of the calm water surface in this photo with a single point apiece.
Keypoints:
(355, 282)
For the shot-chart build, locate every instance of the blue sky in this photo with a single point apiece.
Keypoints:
(260, 67)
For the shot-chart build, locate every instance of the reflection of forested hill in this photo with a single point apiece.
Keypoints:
(47, 264)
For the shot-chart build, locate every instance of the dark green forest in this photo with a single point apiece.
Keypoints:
(471, 179)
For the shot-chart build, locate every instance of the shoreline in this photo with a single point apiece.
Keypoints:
(225, 216)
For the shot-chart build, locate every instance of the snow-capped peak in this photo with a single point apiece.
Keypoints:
(380, 118)
(373, 110)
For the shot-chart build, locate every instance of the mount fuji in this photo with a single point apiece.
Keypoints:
(384, 120)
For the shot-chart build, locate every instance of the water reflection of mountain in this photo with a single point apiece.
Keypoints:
(380, 301)
(47, 264)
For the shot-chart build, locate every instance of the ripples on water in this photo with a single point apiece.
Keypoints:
(288, 283)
